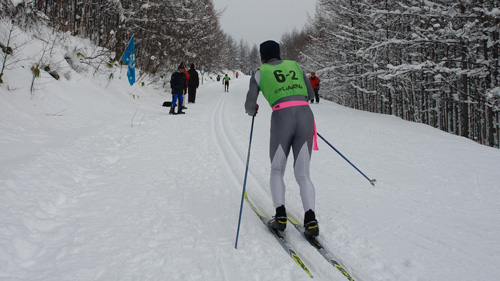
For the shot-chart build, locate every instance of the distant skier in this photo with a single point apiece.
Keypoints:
(226, 83)
(288, 91)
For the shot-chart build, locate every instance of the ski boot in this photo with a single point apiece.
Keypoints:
(311, 228)
(179, 110)
(172, 111)
(279, 220)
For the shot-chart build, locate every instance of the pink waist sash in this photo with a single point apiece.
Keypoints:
(299, 103)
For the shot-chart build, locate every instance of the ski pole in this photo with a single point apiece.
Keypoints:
(244, 185)
(372, 181)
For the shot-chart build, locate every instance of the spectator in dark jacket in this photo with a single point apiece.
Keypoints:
(193, 83)
(178, 85)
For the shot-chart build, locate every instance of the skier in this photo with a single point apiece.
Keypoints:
(226, 83)
(288, 91)
(315, 84)
(178, 85)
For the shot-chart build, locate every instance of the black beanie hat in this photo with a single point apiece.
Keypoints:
(269, 50)
(181, 66)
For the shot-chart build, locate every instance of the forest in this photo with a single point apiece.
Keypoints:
(434, 62)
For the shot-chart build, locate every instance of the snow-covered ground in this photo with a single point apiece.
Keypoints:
(98, 182)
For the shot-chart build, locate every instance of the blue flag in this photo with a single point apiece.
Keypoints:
(129, 58)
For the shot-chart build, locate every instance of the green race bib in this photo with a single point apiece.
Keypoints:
(281, 80)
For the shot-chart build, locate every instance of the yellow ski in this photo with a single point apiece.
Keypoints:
(279, 236)
(317, 245)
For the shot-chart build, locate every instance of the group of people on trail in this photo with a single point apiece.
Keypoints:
(183, 82)
(288, 92)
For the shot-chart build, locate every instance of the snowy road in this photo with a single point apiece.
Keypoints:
(114, 188)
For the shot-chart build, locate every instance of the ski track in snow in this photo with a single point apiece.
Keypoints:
(433, 212)
(232, 153)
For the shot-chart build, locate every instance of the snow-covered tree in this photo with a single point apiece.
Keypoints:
(434, 61)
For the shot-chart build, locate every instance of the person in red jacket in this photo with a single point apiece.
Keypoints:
(185, 90)
(315, 84)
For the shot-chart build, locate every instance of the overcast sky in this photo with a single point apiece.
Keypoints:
(256, 21)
